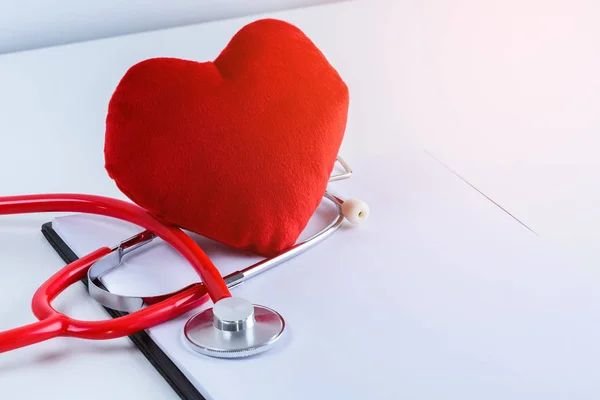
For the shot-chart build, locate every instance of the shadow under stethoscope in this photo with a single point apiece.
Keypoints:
(68, 351)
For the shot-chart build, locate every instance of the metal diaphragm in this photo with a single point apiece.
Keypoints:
(234, 328)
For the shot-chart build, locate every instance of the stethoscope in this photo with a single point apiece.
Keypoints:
(232, 328)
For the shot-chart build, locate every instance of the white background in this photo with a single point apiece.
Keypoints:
(27, 24)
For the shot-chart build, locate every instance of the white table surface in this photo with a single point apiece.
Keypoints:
(488, 88)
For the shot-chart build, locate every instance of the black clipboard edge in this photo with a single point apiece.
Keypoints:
(159, 360)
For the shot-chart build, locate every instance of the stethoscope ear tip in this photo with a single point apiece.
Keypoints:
(355, 211)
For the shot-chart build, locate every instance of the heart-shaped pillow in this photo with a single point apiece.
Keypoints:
(238, 149)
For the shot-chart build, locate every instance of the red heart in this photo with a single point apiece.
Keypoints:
(238, 150)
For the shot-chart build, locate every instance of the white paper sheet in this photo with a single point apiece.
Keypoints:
(440, 295)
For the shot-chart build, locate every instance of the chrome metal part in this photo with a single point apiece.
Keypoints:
(234, 328)
(127, 303)
(344, 175)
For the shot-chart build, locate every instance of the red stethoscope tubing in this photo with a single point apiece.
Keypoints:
(53, 324)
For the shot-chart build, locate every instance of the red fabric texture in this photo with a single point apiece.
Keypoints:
(238, 149)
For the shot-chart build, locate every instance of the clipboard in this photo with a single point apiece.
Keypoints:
(159, 360)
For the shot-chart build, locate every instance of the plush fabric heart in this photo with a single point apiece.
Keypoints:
(238, 149)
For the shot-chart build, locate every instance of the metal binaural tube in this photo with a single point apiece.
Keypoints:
(132, 303)
(262, 266)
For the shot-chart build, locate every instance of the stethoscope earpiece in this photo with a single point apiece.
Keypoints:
(355, 211)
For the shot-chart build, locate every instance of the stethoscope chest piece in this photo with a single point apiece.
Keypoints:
(234, 328)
